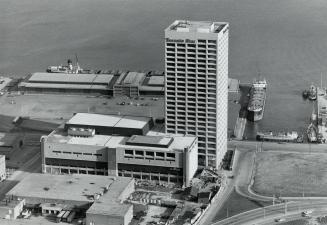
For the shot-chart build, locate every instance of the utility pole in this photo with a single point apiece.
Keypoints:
(274, 199)
(321, 80)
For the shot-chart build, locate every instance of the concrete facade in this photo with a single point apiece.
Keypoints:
(114, 155)
(11, 208)
(158, 157)
(196, 85)
(3, 174)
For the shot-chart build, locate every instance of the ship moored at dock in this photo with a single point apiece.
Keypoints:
(257, 100)
(279, 137)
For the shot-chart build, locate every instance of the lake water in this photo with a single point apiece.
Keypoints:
(285, 40)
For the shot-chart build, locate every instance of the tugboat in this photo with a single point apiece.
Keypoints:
(305, 94)
(312, 93)
(257, 100)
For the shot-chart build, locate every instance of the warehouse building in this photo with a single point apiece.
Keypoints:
(115, 83)
(112, 83)
(100, 197)
(68, 83)
(168, 158)
(128, 84)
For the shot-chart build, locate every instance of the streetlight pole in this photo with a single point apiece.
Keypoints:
(274, 199)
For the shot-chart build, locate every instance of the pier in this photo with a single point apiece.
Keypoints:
(322, 112)
(241, 119)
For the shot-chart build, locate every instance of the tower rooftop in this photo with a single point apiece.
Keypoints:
(196, 26)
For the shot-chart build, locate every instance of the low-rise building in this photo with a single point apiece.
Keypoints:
(101, 198)
(168, 158)
(106, 82)
(68, 83)
(11, 207)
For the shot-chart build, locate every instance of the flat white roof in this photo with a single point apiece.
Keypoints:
(71, 78)
(67, 187)
(178, 142)
(94, 119)
(77, 188)
(90, 119)
(157, 80)
(64, 86)
(133, 78)
(197, 26)
(149, 140)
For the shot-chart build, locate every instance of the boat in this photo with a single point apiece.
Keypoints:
(305, 94)
(69, 68)
(312, 132)
(279, 137)
(312, 93)
(256, 106)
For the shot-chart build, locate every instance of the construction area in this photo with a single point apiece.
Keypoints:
(161, 203)
(290, 174)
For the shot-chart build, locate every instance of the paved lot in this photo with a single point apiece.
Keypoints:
(56, 107)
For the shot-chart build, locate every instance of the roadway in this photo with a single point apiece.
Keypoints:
(280, 147)
(242, 170)
(226, 191)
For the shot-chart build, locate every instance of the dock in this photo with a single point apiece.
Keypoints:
(239, 128)
(241, 119)
(322, 112)
(233, 85)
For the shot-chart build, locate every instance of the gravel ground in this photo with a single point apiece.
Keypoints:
(50, 106)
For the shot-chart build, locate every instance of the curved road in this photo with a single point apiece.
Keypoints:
(242, 179)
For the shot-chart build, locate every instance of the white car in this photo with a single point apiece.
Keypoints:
(280, 220)
(307, 213)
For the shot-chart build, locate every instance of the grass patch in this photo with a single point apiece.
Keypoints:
(290, 174)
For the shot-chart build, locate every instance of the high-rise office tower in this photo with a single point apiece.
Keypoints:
(196, 85)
